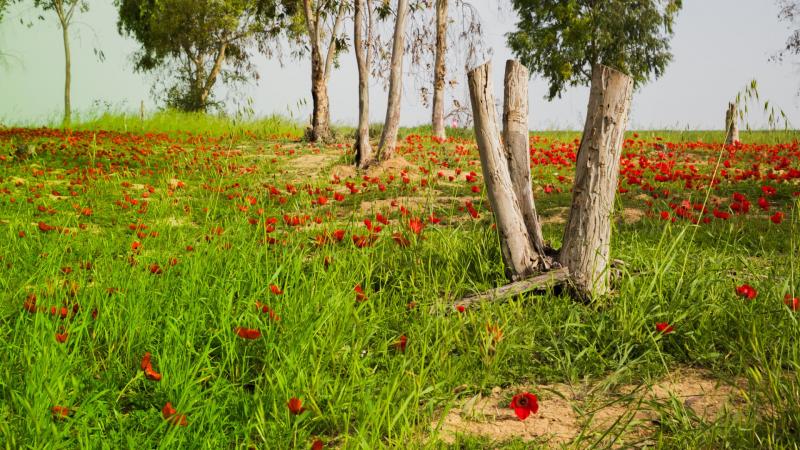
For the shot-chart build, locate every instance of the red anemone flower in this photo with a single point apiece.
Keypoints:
(295, 406)
(746, 291)
(360, 295)
(147, 367)
(776, 218)
(401, 343)
(169, 413)
(248, 333)
(60, 412)
(524, 404)
(792, 302)
(664, 328)
(416, 225)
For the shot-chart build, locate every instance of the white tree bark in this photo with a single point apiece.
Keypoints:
(439, 69)
(519, 256)
(391, 125)
(363, 147)
(588, 231)
(515, 137)
(731, 124)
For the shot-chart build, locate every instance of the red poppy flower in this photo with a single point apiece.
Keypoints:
(461, 308)
(155, 269)
(248, 333)
(746, 291)
(30, 303)
(275, 289)
(360, 295)
(416, 225)
(61, 337)
(338, 235)
(317, 445)
(169, 413)
(382, 219)
(524, 404)
(776, 218)
(136, 246)
(295, 406)
(792, 302)
(401, 343)
(338, 197)
(401, 240)
(59, 412)
(147, 367)
(664, 328)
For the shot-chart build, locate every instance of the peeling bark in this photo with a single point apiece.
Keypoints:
(520, 258)
(515, 138)
(439, 70)
(588, 231)
(731, 124)
(363, 147)
(391, 125)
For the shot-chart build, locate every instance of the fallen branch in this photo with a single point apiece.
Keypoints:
(543, 281)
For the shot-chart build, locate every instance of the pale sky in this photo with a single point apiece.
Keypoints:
(719, 46)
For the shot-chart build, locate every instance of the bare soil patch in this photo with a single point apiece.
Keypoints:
(631, 411)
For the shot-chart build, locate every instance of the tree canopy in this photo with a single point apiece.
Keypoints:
(198, 42)
(790, 12)
(563, 39)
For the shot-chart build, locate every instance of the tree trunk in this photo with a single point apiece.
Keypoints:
(439, 69)
(392, 124)
(363, 147)
(588, 231)
(731, 124)
(320, 117)
(67, 76)
(515, 137)
(520, 258)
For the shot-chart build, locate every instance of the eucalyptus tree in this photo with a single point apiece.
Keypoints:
(64, 11)
(194, 44)
(612, 45)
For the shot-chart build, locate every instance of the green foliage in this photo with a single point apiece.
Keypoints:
(196, 42)
(562, 40)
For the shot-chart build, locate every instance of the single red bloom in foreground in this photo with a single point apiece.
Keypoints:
(295, 406)
(776, 218)
(317, 445)
(275, 289)
(524, 404)
(248, 333)
(61, 337)
(746, 291)
(461, 308)
(664, 328)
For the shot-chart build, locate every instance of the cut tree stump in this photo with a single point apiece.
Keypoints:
(731, 124)
(587, 236)
(546, 280)
(516, 140)
(519, 256)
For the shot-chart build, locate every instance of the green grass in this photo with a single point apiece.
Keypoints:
(335, 353)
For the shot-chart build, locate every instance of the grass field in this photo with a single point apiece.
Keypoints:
(255, 269)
